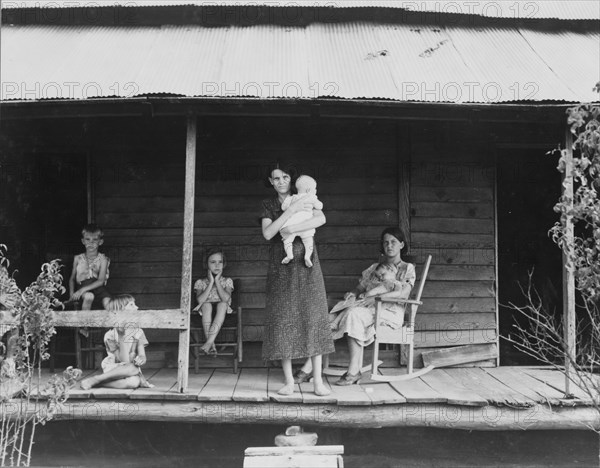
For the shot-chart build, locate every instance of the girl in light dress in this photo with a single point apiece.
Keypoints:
(125, 349)
(213, 294)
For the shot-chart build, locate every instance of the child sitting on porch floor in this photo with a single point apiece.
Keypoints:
(307, 192)
(213, 292)
(125, 352)
(90, 271)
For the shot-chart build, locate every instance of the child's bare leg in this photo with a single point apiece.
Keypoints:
(105, 302)
(308, 250)
(206, 310)
(215, 327)
(288, 246)
(128, 382)
(288, 387)
(320, 388)
(87, 299)
(119, 372)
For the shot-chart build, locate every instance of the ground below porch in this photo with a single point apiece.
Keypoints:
(503, 398)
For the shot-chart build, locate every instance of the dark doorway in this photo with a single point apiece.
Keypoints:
(59, 210)
(528, 187)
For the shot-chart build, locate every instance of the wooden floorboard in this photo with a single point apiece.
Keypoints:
(220, 387)
(309, 397)
(495, 392)
(382, 393)
(252, 385)
(349, 395)
(556, 380)
(547, 394)
(196, 383)
(510, 378)
(514, 387)
(415, 390)
(103, 393)
(163, 380)
(454, 391)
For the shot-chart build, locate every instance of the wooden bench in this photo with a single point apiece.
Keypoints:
(169, 319)
(326, 456)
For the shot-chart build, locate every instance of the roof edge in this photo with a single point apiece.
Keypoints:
(280, 13)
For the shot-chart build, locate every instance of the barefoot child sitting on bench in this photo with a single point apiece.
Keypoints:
(126, 355)
(90, 271)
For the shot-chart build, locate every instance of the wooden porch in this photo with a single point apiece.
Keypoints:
(503, 398)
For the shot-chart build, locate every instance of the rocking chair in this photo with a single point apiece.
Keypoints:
(383, 334)
(404, 336)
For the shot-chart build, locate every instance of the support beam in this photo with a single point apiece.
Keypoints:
(568, 275)
(163, 319)
(403, 158)
(443, 416)
(188, 250)
(91, 213)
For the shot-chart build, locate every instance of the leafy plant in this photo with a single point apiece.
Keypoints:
(577, 234)
(25, 401)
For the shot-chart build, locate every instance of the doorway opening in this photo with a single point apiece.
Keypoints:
(528, 187)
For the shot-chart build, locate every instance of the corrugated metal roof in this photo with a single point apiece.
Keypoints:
(559, 9)
(348, 60)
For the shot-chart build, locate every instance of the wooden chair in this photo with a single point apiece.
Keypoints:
(229, 339)
(405, 335)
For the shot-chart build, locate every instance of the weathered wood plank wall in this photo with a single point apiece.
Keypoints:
(139, 201)
(452, 218)
(138, 178)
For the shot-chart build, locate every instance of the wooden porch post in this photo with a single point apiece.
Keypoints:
(403, 158)
(568, 276)
(188, 249)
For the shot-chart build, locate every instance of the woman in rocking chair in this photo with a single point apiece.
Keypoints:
(357, 322)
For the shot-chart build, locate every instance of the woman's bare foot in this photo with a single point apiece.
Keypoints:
(88, 383)
(321, 390)
(287, 389)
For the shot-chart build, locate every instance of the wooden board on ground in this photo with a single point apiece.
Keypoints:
(515, 378)
(556, 379)
(163, 380)
(252, 385)
(349, 395)
(275, 382)
(382, 393)
(495, 392)
(196, 383)
(309, 397)
(104, 393)
(277, 457)
(455, 393)
(459, 355)
(415, 390)
(220, 387)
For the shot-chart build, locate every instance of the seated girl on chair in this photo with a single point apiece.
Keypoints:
(213, 294)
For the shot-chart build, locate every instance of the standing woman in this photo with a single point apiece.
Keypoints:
(296, 324)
